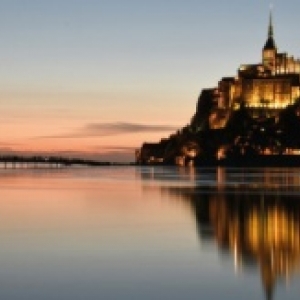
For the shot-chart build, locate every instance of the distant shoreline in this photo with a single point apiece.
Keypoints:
(14, 161)
(257, 161)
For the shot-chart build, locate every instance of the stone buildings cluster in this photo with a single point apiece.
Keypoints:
(272, 84)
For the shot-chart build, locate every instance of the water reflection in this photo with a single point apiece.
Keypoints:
(252, 214)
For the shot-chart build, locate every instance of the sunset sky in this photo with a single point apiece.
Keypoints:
(97, 78)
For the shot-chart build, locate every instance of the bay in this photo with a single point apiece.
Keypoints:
(149, 233)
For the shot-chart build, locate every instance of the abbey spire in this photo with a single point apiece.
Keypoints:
(270, 43)
(271, 30)
(270, 50)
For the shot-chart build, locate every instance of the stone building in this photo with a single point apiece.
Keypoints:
(272, 84)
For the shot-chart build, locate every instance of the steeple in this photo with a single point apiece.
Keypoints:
(270, 43)
(271, 30)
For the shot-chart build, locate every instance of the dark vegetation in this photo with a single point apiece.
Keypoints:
(243, 138)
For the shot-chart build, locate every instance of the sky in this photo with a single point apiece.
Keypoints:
(97, 78)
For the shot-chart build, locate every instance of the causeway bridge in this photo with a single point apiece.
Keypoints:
(20, 162)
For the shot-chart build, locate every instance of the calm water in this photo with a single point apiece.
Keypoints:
(150, 233)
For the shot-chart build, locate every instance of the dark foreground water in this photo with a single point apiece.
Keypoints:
(150, 233)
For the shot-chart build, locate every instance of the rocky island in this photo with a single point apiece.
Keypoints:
(251, 119)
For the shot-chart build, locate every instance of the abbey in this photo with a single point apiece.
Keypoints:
(252, 118)
(272, 84)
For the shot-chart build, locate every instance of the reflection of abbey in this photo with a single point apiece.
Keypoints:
(256, 219)
(271, 84)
